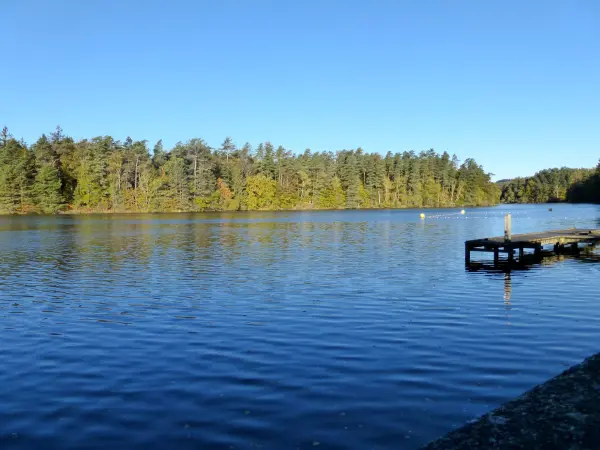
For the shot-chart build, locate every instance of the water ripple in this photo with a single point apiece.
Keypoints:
(355, 329)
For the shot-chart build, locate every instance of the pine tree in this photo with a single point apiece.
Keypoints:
(227, 148)
(47, 187)
(16, 176)
(349, 178)
(268, 163)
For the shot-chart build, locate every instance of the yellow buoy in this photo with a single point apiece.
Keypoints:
(462, 211)
(422, 216)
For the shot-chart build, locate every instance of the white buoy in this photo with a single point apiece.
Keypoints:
(422, 216)
(462, 211)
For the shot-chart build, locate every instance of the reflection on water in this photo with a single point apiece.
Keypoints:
(507, 289)
(588, 255)
(354, 329)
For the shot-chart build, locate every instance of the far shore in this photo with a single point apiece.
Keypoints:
(112, 211)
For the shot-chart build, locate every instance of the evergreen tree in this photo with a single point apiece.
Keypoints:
(227, 148)
(47, 187)
(16, 176)
(159, 156)
(349, 177)
(267, 167)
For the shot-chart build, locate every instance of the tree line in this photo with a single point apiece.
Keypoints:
(587, 190)
(102, 174)
(554, 185)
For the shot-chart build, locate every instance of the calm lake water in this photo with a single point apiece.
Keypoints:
(349, 329)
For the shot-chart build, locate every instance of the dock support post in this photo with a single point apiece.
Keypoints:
(496, 255)
(507, 228)
(511, 255)
(467, 253)
(538, 250)
(521, 253)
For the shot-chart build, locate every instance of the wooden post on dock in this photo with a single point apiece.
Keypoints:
(507, 228)
(467, 253)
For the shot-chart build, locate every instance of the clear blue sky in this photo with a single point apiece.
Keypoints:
(514, 84)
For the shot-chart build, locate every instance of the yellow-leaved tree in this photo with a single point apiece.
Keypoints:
(260, 191)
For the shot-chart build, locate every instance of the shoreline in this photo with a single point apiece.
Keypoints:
(108, 212)
(562, 413)
(212, 211)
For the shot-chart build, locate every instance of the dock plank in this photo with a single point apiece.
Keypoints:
(545, 237)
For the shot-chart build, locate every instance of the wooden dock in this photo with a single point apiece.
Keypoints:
(569, 240)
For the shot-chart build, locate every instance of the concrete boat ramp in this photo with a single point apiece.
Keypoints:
(561, 414)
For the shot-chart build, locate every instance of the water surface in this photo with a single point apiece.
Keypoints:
(346, 329)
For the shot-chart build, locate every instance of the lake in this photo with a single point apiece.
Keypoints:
(277, 330)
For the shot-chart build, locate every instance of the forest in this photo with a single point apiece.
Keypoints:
(554, 185)
(101, 174)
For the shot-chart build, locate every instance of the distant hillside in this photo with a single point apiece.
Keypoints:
(553, 185)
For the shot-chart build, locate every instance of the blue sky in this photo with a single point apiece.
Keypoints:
(514, 84)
